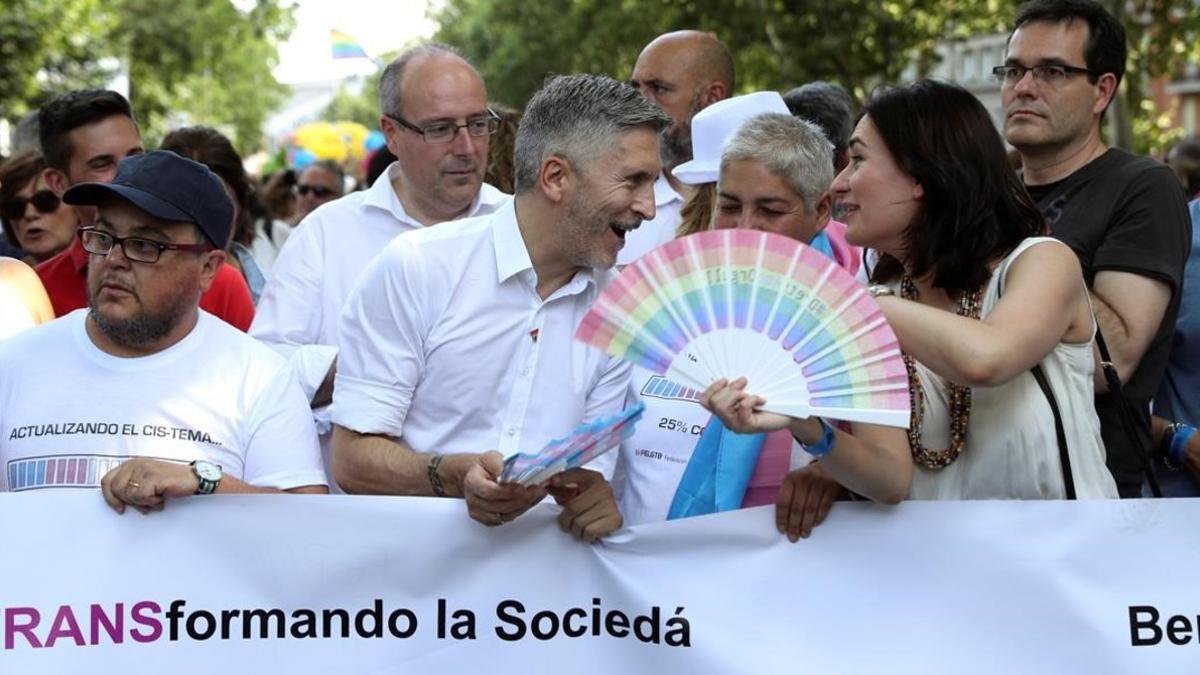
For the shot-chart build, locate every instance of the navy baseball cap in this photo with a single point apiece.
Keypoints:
(166, 186)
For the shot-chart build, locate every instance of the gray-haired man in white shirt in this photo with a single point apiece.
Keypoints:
(457, 342)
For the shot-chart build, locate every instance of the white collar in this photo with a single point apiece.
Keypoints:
(512, 255)
(382, 195)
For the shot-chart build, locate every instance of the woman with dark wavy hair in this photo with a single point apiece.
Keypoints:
(983, 305)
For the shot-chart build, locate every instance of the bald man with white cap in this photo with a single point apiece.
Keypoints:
(714, 125)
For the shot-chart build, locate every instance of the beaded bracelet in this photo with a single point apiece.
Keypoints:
(435, 479)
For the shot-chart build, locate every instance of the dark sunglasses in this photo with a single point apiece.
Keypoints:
(319, 191)
(44, 201)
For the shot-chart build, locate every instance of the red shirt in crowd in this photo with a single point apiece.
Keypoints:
(65, 279)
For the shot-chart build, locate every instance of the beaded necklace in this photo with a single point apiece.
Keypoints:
(969, 305)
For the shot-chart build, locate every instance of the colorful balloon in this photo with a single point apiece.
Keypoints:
(302, 158)
(375, 140)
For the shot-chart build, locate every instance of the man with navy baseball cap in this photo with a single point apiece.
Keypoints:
(143, 394)
(143, 298)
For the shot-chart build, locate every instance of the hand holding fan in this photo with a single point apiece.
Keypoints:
(587, 442)
(732, 303)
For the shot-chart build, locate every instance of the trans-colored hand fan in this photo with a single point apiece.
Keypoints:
(586, 442)
(732, 303)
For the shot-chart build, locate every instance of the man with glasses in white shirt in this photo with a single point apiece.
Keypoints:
(457, 343)
(434, 114)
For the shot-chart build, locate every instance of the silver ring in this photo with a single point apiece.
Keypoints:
(133, 484)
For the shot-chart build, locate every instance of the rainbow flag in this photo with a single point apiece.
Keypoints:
(344, 46)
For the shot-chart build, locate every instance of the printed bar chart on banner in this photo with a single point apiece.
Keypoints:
(587, 442)
(732, 303)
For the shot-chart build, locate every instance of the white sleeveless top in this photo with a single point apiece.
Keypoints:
(1011, 448)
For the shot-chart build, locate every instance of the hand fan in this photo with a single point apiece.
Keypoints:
(587, 442)
(732, 303)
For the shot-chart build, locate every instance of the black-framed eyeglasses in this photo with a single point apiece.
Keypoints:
(319, 191)
(444, 132)
(1048, 74)
(45, 201)
(135, 248)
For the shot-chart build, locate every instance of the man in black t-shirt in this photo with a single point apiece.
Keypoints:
(1124, 215)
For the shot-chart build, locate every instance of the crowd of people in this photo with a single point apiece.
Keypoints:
(221, 334)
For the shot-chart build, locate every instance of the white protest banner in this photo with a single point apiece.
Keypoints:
(295, 584)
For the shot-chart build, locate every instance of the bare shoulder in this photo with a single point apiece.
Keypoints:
(25, 284)
(13, 271)
(1046, 261)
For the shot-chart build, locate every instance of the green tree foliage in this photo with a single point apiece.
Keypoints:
(45, 50)
(188, 62)
(203, 63)
(1163, 36)
(778, 44)
(358, 103)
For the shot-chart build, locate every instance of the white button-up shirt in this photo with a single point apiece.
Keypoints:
(298, 312)
(446, 343)
(654, 233)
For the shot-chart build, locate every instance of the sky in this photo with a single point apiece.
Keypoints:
(378, 25)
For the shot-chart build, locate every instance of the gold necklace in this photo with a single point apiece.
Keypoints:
(969, 305)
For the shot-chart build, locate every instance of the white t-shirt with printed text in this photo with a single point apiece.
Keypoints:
(651, 462)
(70, 412)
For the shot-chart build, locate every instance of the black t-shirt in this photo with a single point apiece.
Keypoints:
(1125, 213)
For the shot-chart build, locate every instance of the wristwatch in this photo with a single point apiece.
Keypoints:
(209, 475)
(876, 290)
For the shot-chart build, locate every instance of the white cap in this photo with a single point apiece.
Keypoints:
(715, 125)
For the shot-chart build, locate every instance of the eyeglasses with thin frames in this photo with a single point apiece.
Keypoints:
(1053, 75)
(137, 249)
(444, 132)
